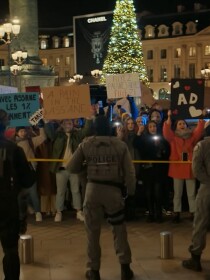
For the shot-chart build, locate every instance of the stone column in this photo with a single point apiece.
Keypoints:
(33, 72)
(27, 13)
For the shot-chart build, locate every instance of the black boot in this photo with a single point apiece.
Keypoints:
(92, 275)
(193, 263)
(126, 272)
(176, 218)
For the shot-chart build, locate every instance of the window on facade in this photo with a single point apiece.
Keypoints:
(163, 74)
(190, 27)
(66, 42)
(178, 52)
(207, 50)
(67, 74)
(163, 30)
(149, 31)
(192, 70)
(177, 28)
(1, 62)
(192, 51)
(43, 44)
(44, 61)
(163, 53)
(177, 71)
(150, 54)
(57, 61)
(150, 73)
(56, 42)
(68, 60)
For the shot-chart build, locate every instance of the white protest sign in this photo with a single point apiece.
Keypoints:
(5, 89)
(122, 85)
(36, 117)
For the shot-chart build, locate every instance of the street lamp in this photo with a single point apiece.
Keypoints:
(78, 77)
(96, 73)
(19, 57)
(205, 73)
(9, 29)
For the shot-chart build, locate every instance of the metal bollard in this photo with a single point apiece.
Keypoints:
(26, 249)
(166, 245)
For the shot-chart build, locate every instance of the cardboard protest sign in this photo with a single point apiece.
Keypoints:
(19, 106)
(5, 89)
(122, 85)
(66, 102)
(187, 98)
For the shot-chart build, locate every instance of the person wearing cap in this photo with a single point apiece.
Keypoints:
(109, 171)
(15, 167)
(201, 170)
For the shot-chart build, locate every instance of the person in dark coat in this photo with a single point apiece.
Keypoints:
(15, 173)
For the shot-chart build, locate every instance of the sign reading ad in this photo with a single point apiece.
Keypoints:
(187, 98)
(91, 37)
(66, 102)
(19, 106)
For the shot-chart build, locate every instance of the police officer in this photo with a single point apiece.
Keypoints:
(109, 169)
(201, 170)
(15, 172)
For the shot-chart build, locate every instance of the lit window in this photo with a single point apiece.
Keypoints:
(178, 52)
(44, 61)
(163, 74)
(43, 44)
(68, 60)
(192, 51)
(66, 42)
(56, 42)
(57, 61)
(149, 31)
(207, 50)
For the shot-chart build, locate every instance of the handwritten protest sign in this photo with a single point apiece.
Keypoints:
(187, 98)
(19, 106)
(122, 85)
(66, 102)
(5, 89)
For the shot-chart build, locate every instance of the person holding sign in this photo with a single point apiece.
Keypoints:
(182, 141)
(65, 141)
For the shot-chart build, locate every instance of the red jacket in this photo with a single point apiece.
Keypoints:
(178, 146)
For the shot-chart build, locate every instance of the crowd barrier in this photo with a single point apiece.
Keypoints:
(134, 161)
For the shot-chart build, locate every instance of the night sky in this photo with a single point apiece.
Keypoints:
(56, 13)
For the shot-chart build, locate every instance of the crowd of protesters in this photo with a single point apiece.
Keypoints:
(153, 140)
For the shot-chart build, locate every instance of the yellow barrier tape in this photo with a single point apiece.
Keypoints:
(134, 161)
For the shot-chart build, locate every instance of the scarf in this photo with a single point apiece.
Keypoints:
(185, 133)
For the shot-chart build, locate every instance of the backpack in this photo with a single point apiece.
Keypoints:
(8, 175)
(103, 161)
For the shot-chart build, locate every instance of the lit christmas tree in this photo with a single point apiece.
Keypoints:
(124, 53)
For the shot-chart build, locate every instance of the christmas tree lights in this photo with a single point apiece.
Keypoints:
(124, 53)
